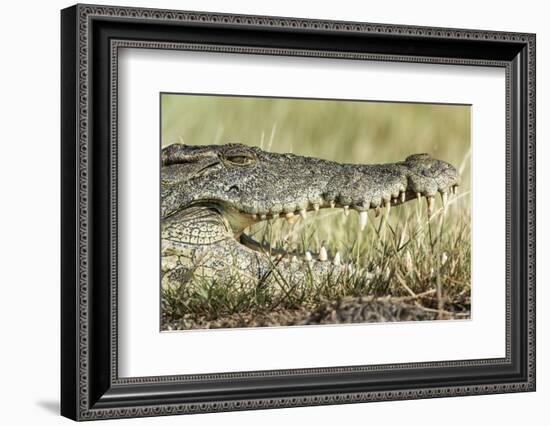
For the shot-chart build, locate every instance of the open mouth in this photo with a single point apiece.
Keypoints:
(242, 223)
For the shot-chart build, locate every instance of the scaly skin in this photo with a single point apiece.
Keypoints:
(210, 194)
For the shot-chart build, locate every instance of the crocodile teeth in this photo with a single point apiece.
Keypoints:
(332, 204)
(294, 259)
(402, 195)
(363, 218)
(388, 207)
(323, 256)
(290, 217)
(336, 260)
(418, 196)
(346, 211)
(308, 256)
(377, 212)
(303, 213)
(431, 204)
(263, 217)
(444, 198)
(316, 207)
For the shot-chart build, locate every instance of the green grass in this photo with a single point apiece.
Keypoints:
(405, 256)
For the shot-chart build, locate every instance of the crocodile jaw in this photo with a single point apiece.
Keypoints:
(238, 221)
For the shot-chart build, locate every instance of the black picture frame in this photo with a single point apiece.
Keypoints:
(90, 386)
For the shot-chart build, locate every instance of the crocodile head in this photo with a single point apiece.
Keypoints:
(243, 185)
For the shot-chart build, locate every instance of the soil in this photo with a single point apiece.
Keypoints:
(344, 311)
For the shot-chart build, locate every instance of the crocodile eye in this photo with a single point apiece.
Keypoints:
(241, 159)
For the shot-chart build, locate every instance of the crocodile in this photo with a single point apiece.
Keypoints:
(211, 194)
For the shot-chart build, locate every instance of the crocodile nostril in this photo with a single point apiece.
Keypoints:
(233, 188)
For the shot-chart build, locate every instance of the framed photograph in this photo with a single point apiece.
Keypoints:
(263, 212)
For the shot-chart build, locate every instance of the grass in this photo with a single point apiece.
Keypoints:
(405, 256)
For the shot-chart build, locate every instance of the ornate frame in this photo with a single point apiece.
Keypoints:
(91, 37)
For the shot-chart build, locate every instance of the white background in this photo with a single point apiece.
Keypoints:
(29, 225)
(140, 343)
